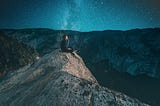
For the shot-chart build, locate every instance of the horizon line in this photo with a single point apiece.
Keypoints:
(78, 30)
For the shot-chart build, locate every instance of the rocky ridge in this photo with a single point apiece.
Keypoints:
(58, 79)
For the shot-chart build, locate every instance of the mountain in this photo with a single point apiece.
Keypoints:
(134, 51)
(14, 54)
(58, 79)
(126, 61)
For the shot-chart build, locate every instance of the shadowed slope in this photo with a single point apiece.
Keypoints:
(14, 55)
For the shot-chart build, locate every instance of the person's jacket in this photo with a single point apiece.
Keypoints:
(64, 45)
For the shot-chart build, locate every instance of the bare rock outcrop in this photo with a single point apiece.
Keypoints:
(58, 79)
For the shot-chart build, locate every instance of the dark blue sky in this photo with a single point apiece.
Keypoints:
(81, 15)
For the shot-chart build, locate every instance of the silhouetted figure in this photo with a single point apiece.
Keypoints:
(65, 45)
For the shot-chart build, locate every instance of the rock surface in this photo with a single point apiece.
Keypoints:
(58, 79)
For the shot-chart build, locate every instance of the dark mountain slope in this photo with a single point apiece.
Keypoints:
(13, 54)
(142, 87)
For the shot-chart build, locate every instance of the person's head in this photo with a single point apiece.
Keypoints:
(65, 37)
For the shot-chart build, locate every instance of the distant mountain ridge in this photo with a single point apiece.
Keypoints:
(133, 51)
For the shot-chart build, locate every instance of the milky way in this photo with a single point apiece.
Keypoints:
(71, 15)
(81, 15)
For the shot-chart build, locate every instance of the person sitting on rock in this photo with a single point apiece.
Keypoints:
(65, 45)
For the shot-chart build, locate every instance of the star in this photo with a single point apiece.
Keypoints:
(102, 2)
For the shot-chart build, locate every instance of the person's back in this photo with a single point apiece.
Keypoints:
(65, 44)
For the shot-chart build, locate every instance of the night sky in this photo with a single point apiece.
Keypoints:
(81, 15)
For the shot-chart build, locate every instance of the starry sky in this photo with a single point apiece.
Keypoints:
(80, 15)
